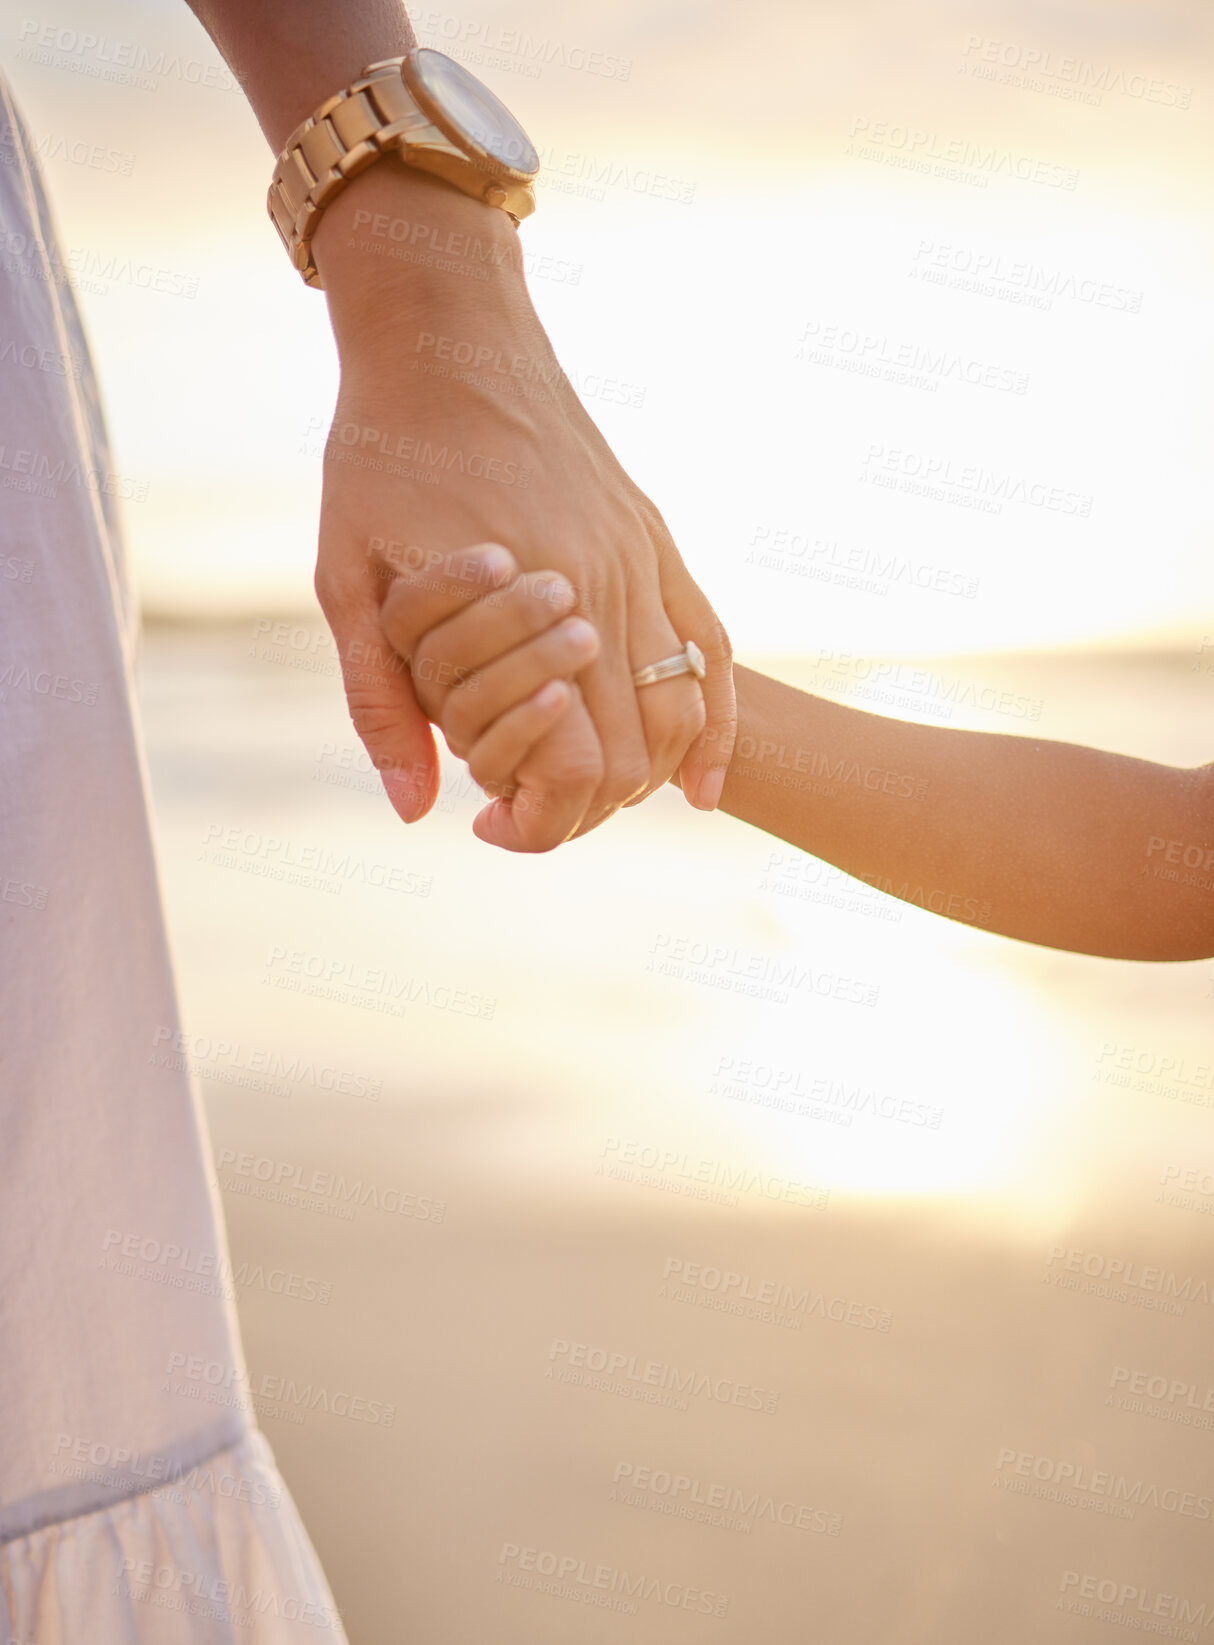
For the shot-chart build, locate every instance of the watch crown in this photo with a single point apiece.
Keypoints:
(495, 195)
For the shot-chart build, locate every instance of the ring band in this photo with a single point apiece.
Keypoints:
(688, 661)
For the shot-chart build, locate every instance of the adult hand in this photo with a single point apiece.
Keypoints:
(454, 426)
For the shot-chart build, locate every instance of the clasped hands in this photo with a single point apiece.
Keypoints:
(460, 461)
(494, 654)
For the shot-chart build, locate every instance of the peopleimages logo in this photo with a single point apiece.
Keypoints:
(920, 150)
(378, 448)
(1162, 1398)
(1123, 1280)
(637, 1484)
(53, 471)
(191, 1376)
(104, 1463)
(615, 1371)
(1075, 1484)
(1036, 64)
(573, 1576)
(1138, 1601)
(991, 488)
(872, 570)
(295, 1181)
(182, 1268)
(1160, 1073)
(1156, 1386)
(987, 273)
(906, 361)
(233, 1063)
(628, 1155)
(103, 58)
(174, 1587)
(761, 976)
(734, 1291)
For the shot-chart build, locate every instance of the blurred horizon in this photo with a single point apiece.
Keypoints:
(1141, 648)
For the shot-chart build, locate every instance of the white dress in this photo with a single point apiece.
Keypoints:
(138, 1501)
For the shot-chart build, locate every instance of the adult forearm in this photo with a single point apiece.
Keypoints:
(1045, 841)
(289, 55)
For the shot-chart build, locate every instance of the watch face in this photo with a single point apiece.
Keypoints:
(468, 113)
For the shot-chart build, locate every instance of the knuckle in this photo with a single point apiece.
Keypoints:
(431, 668)
(429, 701)
(688, 720)
(467, 573)
(396, 614)
(521, 605)
(651, 515)
(623, 778)
(329, 587)
(484, 772)
(456, 719)
(389, 557)
(372, 719)
(582, 773)
(427, 661)
(369, 667)
(574, 769)
(450, 585)
(544, 596)
(715, 643)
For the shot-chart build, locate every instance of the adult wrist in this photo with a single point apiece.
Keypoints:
(399, 245)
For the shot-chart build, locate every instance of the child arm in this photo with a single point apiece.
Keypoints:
(1048, 842)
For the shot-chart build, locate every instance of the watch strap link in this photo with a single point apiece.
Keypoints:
(346, 134)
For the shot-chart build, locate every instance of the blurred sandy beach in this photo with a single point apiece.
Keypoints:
(649, 1296)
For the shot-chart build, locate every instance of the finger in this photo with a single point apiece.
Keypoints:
(495, 756)
(473, 706)
(482, 631)
(386, 715)
(702, 770)
(554, 786)
(607, 690)
(447, 655)
(672, 711)
(440, 584)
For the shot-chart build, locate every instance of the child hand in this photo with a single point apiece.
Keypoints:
(494, 670)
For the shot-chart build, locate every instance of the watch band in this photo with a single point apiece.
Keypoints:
(373, 116)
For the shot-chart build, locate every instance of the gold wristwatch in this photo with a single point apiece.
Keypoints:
(427, 109)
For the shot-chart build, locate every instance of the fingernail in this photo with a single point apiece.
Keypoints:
(705, 795)
(581, 634)
(559, 592)
(548, 696)
(498, 562)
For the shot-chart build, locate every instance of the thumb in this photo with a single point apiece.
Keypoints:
(386, 715)
(702, 773)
